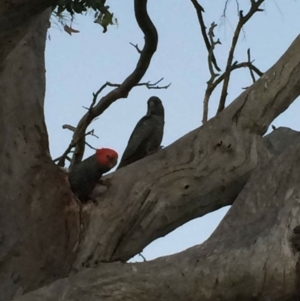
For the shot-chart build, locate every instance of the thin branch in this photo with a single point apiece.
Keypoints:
(136, 47)
(213, 75)
(214, 82)
(253, 68)
(69, 127)
(199, 11)
(61, 160)
(57, 159)
(148, 85)
(242, 21)
(94, 148)
(151, 39)
(140, 254)
(226, 6)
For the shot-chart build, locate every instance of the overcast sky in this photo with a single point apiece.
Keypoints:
(78, 65)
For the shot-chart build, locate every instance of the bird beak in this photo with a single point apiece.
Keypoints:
(113, 162)
(150, 106)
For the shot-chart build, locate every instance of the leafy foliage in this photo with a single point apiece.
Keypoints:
(102, 14)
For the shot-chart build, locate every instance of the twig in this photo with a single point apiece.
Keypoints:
(69, 127)
(90, 146)
(140, 254)
(148, 85)
(226, 5)
(211, 85)
(242, 21)
(249, 61)
(57, 159)
(136, 47)
(61, 160)
(199, 11)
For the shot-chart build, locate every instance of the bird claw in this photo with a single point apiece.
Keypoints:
(95, 202)
(155, 151)
(106, 182)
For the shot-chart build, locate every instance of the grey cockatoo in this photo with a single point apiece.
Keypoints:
(147, 134)
(84, 176)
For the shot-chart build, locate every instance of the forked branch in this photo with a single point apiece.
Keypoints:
(216, 79)
(200, 10)
(210, 43)
(242, 21)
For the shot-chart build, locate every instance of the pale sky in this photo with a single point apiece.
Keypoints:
(78, 65)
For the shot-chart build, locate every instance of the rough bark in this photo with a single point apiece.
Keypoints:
(154, 196)
(36, 206)
(248, 257)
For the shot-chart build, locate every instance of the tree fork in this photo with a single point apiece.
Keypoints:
(250, 250)
(151, 197)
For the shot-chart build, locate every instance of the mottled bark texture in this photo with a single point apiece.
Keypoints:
(44, 235)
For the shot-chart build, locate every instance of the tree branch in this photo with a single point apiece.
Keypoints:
(39, 225)
(64, 156)
(250, 249)
(213, 75)
(133, 79)
(61, 160)
(136, 47)
(242, 21)
(199, 11)
(215, 80)
(218, 160)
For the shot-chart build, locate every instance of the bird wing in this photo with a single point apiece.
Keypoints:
(139, 137)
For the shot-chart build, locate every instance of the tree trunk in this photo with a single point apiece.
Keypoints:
(39, 222)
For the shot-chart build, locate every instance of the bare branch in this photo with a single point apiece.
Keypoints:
(148, 85)
(200, 10)
(140, 254)
(94, 148)
(213, 75)
(215, 79)
(211, 86)
(151, 38)
(57, 159)
(251, 71)
(64, 156)
(242, 21)
(69, 127)
(226, 5)
(74, 143)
